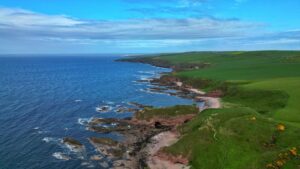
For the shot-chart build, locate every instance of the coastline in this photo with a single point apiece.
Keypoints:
(158, 160)
(143, 136)
(155, 158)
(257, 114)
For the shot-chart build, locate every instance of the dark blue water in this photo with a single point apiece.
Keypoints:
(43, 98)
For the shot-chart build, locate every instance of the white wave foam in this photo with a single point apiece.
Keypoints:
(47, 139)
(151, 92)
(79, 151)
(88, 164)
(84, 121)
(78, 100)
(91, 166)
(51, 139)
(110, 102)
(103, 109)
(61, 156)
(147, 72)
(85, 163)
(75, 149)
(145, 78)
(42, 132)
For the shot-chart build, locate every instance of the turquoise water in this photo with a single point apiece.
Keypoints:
(43, 99)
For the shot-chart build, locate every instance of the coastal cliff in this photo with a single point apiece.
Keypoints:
(250, 131)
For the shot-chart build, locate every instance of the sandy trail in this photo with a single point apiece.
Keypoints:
(211, 102)
(159, 141)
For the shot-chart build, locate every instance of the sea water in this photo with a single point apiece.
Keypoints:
(46, 98)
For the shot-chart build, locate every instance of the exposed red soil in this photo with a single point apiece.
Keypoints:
(173, 159)
(171, 121)
(215, 93)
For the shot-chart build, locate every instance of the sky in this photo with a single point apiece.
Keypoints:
(147, 26)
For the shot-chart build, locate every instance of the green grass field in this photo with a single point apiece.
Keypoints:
(261, 70)
(241, 66)
(231, 139)
(291, 112)
(262, 91)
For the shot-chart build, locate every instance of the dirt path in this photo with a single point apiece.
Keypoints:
(159, 141)
(211, 102)
(168, 138)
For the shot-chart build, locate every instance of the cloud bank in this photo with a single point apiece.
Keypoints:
(26, 31)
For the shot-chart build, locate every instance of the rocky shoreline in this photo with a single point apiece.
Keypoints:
(144, 138)
(150, 153)
(157, 159)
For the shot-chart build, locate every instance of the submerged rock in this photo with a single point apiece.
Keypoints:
(103, 109)
(125, 109)
(104, 141)
(102, 129)
(72, 142)
(97, 121)
(96, 158)
(108, 125)
(107, 147)
(138, 105)
(75, 146)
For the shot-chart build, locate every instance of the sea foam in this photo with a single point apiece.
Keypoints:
(84, 121)
(61, 156)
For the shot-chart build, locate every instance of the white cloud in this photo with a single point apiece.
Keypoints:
(23, 31)
(25, 18)
(21, 23)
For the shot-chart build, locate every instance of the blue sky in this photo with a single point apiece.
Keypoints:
(147, 26)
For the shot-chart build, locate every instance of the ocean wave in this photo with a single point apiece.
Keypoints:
(61, 156)
(151, 92)
(88, 164)
(74, 149)
(37, 130)
(137, 83)
(147, 72)
(84, 121)
(68, 149)
(104, 109)
(144, 78)
(77, 100)
(80, 152)
(42, 132)
(51, 139)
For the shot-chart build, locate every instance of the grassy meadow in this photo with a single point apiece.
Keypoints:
(259, 124)
(254, 72)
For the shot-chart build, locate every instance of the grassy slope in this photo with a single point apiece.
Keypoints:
(291, 112)
(227, 138)
(267, 70)
(249, 66)
(166, 112)
(230, 139)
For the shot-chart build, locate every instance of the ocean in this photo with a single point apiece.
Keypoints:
(46, 98)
